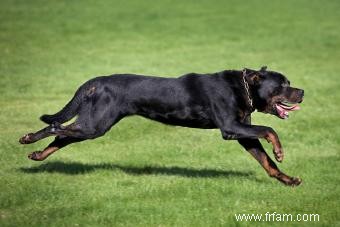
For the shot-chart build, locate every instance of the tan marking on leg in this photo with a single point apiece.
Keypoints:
(277, 148)
(42, 155)
(272, 169)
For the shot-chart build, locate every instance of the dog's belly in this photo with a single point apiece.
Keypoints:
(183, 118)
(191, 123)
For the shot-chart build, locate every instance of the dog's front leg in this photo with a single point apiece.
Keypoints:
(254, 147)
(236, 130)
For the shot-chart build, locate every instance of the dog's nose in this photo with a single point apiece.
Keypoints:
(302, 92)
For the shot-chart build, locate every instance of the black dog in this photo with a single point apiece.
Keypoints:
(223, 100)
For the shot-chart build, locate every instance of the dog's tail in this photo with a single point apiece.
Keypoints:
(67, 113)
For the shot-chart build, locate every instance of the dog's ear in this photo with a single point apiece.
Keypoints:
(253, 77)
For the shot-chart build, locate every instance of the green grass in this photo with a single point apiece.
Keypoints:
(144, 173)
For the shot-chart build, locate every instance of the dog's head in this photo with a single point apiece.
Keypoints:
(272, 93)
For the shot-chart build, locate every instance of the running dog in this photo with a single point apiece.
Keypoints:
(223, 100)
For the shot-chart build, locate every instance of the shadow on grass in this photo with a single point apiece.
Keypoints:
(74, 168)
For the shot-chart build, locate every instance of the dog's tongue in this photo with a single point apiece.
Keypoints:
(289, 108)
(284, 110)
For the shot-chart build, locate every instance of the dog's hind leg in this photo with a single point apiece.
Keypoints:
(66, 135)
(95, 118)
(41, 134)
(75, 132)
(84, 130)
(58, 143)
(81, 129)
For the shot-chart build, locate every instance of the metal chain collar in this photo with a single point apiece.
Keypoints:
(246, 86)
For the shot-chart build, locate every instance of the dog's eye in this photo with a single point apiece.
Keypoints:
(276, 91)
(286, 84)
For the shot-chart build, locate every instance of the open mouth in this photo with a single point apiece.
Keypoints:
(283, 108)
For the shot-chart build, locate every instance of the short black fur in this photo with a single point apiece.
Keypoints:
(223, 100)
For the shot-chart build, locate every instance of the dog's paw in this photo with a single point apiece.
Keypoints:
(36, 156)
(278, 154)
(295, 181)
(26, 139)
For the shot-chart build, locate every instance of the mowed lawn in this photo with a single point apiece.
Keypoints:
(143, 173)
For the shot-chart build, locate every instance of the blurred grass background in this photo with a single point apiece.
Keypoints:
(144, 173)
